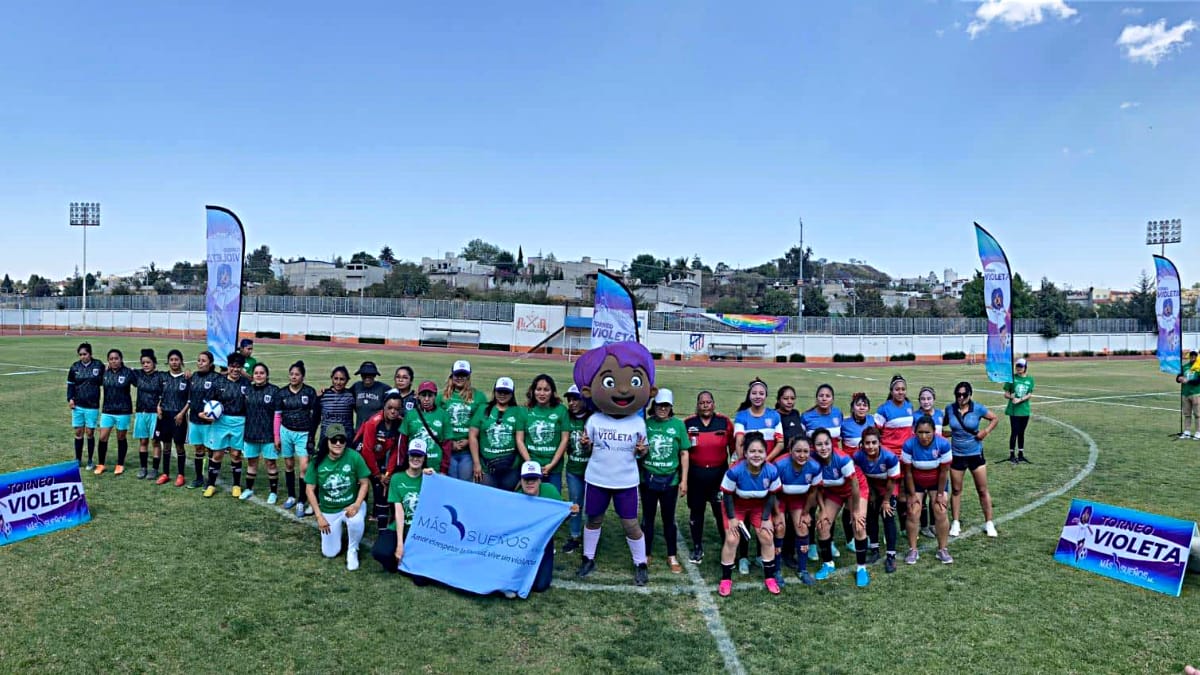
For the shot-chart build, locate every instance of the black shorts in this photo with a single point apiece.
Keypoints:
(167, 431)
(967, 463)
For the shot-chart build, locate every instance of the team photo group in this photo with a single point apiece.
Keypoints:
(775, 476)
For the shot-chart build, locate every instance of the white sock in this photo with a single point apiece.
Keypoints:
(860, 568)
(637, 548)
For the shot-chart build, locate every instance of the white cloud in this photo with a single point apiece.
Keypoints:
(1154, 41)
(939, 32)
(1131, 11)
(1017, 13)
(1126, 105)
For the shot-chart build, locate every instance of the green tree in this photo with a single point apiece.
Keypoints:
(163, 287)
(364, 258)
(277, 286)
(74, 287)
(777, 303)
(258, 266)
(1141, 303)
(121, 289)
(406, 280)
(868, 302)
(815, 303)
(480, 251)
(6, 286)
(153, 274)
(648, 269)
(329, 287)
(506, 265)
(38, 287)
(732, 305)
(520, 259)
(386, 255)
(972, 301)
(1051, 306)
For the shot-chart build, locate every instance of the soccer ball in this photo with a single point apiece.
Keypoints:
(213, 409)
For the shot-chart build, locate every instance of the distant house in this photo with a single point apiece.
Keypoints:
(307, 274)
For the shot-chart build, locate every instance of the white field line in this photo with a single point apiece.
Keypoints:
(699, 588)
(25, 372)
(1098, 400)
(26, 365)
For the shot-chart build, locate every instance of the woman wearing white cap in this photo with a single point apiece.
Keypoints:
(532, 485)
(664, 473)
(460, 402)
(428, 423)
(576, 464)
(1018, 392)
(493, 438)
(404, 491)
(343, 479)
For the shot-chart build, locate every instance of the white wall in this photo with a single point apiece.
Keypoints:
(495, 332)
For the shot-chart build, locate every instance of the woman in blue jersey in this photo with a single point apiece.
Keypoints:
(925, 460)
(840, 488)
(927, 407)
(964, 418)
(117, 410)
(824, 415)
(895, 416)
(83, 399)
(859, 420)
(800, 476)
(754, 415)
(749, 490)
(881, 469)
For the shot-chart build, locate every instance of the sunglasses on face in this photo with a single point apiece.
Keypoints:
(961, 394)
(338, 440)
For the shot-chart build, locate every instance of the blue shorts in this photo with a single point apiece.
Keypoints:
(85, 417)
(266, 450)
(293, 443)
(121, 422)
(144, 425)
(197, 434)
(227, 433)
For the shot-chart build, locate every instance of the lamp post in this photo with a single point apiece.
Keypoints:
(800, 286)
(85, 215)
(1163, 232)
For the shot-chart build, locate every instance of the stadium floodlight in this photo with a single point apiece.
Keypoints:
(85, 215)
(1163, 232)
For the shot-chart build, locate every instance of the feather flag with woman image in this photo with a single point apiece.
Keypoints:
(997, 299)
(223, 298)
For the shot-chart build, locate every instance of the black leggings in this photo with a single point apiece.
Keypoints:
(1018, 424)
(704, 490)
(651, 500)
(874, 513)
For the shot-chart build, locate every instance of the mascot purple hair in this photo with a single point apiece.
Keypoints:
(617, 380)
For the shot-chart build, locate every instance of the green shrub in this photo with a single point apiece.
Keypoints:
(848, 358)
(371, 341)
(271, 335)
(954, 356)
(318, 338)
(780, 358)
(796, 358)
(903, 357)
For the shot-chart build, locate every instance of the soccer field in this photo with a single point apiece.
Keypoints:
(162, 580)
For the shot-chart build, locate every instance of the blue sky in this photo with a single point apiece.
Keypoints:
(606, 129)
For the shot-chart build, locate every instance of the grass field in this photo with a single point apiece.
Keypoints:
(162, 580)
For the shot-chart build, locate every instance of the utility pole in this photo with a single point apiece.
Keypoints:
(800, 285)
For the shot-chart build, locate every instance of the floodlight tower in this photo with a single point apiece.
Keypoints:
(85, 215)
(1163, 232)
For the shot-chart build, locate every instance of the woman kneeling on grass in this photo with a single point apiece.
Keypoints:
(344, 480)
(749, 490)
(926, 460)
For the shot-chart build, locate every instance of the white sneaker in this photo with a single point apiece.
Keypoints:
(352, 559)
(1185, 435)
(990, 528)
(955, 529)
(308, 509)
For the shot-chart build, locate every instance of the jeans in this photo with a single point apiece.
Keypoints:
(575, 488)
(462, 466)
(505, 479)
(545, 571)
(555, 478)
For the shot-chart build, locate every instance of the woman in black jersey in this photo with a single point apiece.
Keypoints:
(172, 424)
(260, 432)
(117, 409)
(295, 423)
(335, 405)
(403, 379)
(147, 410)
(199, 386)
(83, 399)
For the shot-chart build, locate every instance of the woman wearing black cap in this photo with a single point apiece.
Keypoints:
(343, 479)
(368, 393)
